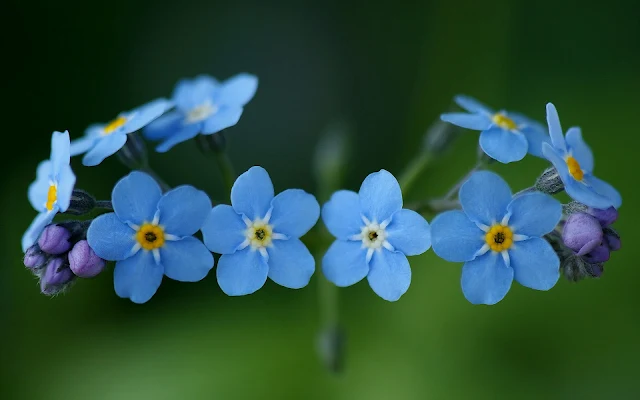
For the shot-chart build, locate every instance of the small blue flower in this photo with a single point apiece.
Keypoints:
(506, 136)
(51, 192)
(374, 236)
(203, 105)
(499, 238)
(258, 235)
(103, 140)
(573, 160)
(150, 235)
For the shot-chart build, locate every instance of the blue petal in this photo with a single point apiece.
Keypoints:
(586, 194)
(605, 189)
(163, 127)
(32, 234)
(345, 263)
(579, 149)
(252, 193)
(110, 238)
(138, 277)
(380, 196)
(472, 105)
(454, 237)
(534, 214)
(341, 214)
(190, 93)
(503, 145)
(290, 263)
(186, 260)
(294, 212)
(145, 114)
(535, 137)
(535, 263)
(223, 119)
(242, 272)
(44, 170)
(60, 151)
(390, 274)
(409, 233)
(66, 183)
(185, 132)
(37, 193)
(477, 122)
(558, 162)
(555, 130)
(484, 197)
(82, 145)
(238, 90)
(223, 230)
(135, 198)
(183, 210)
(104, 147)
(486, 280)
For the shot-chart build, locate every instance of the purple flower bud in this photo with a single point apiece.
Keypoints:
(34, 258)
(606, 217)
(56, 276)
(596, 270)
(54, 240)
(84, 262)
(612, 239)
(598, 255)
(582, 233)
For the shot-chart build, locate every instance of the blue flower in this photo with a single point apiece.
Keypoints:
(374, 236)
(573, 160)
(103, 140)
(203, 105)
(506, 136)
(150, 235)
(499, 238)
(51, 192)
(258, 235)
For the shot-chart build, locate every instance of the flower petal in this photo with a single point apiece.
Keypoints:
(223, 230)
(183, 210)
(104, 147)
(135, 198)
(380, 196)
(60, 151)
(484, 197)
(535, 137)
(390, 274)
(606, 190)
(164, 126)
(294, 212)
(184, 133)
(555, 129)
(557, 160)
(409, 232)
(455, 237)
(223, 119)
(242, 272)
(82, 145)
(534, 214)
(146, 113)
(237, 90)
(586, 194)
(486, 280)
(186, 260)
(190, 93)
(37, 193)
(579, 149)
(252, 193)
(137, 278)
(341, 214)
(503, 145)
(472, 105)
(345, 263)
(535, 263)
(66, 183)
(110, 238)
(30, 237)
(290, 263)
(477, 122)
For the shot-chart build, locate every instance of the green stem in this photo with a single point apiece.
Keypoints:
(226, 169)
(413, 171)
(454, 190)
(146, 168)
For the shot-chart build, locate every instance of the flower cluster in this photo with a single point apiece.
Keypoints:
(150, 230)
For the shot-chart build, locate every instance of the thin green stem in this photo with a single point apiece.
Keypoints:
(226, 170)
(454, 190)
(104, 204)
(413, 171)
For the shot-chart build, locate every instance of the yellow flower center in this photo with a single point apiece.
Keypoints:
(499, 238)
(504, 122)
(113, 125)
(150, 236)
(574, 168)
(52, 197)
(259, 234)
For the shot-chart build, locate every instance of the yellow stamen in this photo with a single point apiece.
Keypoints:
(504, 122)
(113, 125)
(259, 234)
(499, 238)
(150, 236)
(52, 197)
(574, 168)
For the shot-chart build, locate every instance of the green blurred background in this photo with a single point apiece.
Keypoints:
(386, 68)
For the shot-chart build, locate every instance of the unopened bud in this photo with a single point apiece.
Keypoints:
(134, 153)
(84, 262)
(34, 258)
(549, 182)
(606, 217)
(574, 207)
(582, 233)
(81, 203)
(574, 268)
(56, 277)
(54, 239)
(599, 254)
(612, 239)
(214, 143)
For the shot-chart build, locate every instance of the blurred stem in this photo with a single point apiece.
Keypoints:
(413, 170)
(104, 204)
(227, 171)
(163, 185)
(454, 190)
(435, 206)
(215, 145)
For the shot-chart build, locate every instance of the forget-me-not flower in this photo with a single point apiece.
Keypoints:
(506, 136)
(51, 192)
(150, 235)
(573, 160)
(374, 236)
(203, 105)
(103, 140)
(258, 235)
(499, 238)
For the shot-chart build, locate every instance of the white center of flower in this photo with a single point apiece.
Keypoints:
(373, 237)
(259, 234)
(201, 112)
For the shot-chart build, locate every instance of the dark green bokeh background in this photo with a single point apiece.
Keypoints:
(388, 69)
